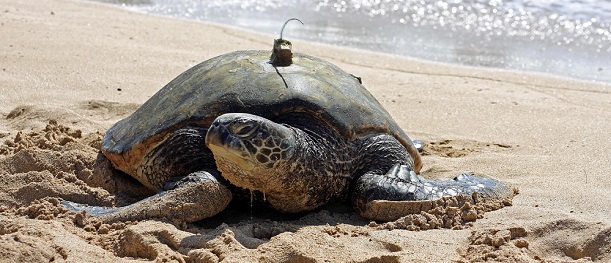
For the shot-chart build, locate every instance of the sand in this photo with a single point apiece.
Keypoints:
(70, 69)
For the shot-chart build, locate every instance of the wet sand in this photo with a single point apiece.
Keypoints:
(70, 69)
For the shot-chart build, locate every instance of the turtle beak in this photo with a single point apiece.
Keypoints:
(223, 131)
(217, 135)
(224, 144)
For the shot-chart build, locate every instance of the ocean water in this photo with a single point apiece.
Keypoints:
(570, 38)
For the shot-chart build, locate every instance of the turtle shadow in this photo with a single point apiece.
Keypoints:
(239, 212)
(254, 225)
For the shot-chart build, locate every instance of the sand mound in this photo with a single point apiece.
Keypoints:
(457, 212)
(506, 245)
(56, 161)
(557, 241)
(574, 239)
(60, 162)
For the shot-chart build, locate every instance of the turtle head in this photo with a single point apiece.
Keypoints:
(249, 144)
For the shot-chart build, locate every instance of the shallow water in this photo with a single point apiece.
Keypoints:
(570, 38)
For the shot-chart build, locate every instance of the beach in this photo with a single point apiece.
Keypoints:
(70, 69)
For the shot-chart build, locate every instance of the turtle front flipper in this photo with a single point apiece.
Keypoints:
(399, 192)
(201, 196)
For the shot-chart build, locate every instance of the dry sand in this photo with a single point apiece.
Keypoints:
(70, 69)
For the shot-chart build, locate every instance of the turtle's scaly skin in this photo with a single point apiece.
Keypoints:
(302, 135)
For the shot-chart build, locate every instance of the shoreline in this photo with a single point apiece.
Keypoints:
(493, 53)
(237, 31)
(72, 68)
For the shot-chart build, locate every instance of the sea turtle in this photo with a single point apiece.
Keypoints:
(293, 130)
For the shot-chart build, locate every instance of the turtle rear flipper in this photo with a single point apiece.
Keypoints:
(189, 201)
(390, 196)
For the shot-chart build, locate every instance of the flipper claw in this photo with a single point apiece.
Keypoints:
(402, 185)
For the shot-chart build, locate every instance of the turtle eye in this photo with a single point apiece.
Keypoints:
(243, 129)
